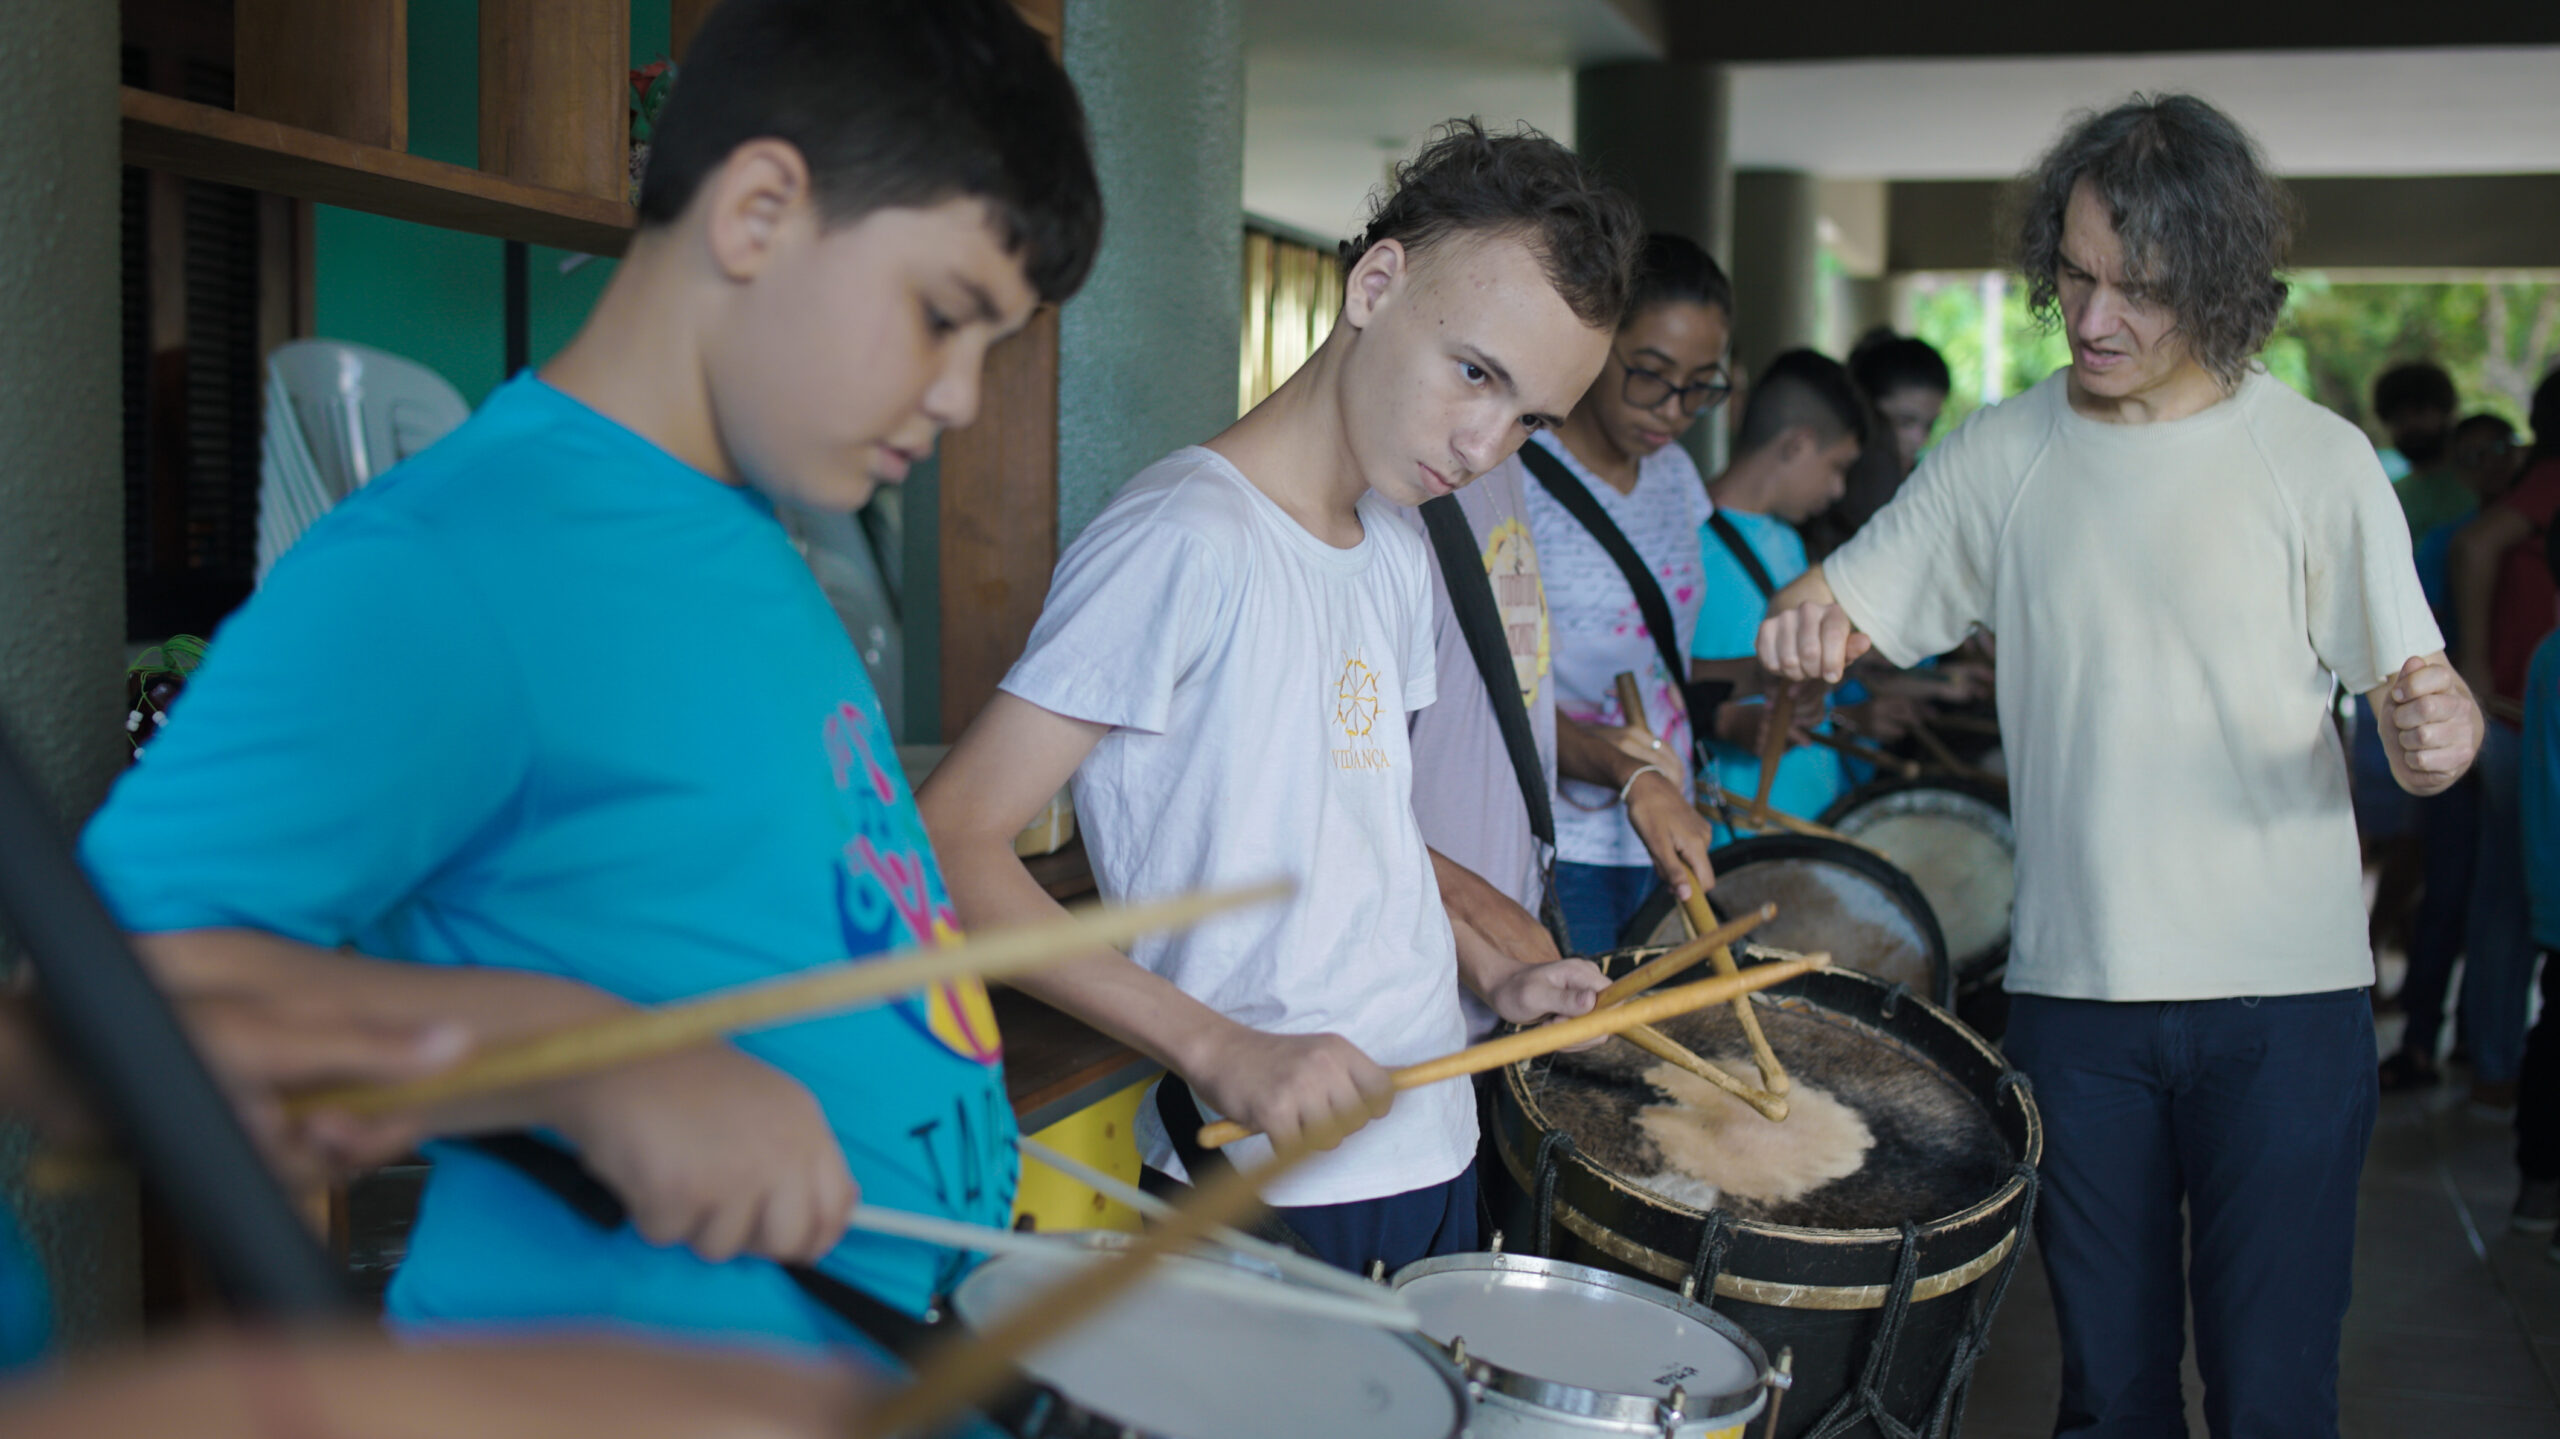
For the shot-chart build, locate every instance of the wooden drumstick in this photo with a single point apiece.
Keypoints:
(963, 1372)
(1565, 1033)
(647, 1033)
(1946, 758)
(1669, 965)
(1773, 748)
(1772, 1107)
(1794, 825)
(1860, 749)
(1702, 918)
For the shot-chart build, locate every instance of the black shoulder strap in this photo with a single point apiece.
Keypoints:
(1480, 620)
(570, 1182)
(1579, 503)
(1742, 554)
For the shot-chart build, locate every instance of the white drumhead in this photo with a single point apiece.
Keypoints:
(1570, 1331)
(1190, 1364)
(1962, 853)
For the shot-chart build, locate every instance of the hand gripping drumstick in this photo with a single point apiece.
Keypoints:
(963, 1372)
(1702, 921)
(648, 1033)
(1564, 1033)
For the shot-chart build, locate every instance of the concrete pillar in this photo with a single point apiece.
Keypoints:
(1147, 352)
(1775, 215)
(62, 527)
(1663, 129)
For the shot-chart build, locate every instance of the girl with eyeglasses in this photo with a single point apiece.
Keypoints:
(1666, 367)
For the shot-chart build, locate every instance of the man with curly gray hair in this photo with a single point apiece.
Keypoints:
(2177, 554)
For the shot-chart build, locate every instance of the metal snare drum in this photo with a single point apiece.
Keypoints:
(1556, 1350)
(1172, 1362)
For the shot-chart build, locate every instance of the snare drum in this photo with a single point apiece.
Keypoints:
(1557, 1350)
(1174, 1362)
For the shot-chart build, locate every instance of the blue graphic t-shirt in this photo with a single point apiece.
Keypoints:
(1810, 777)
(546, 698)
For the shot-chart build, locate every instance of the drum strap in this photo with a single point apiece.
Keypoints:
(1743, 555)
(1480, 621)
(1702, 696)
(570, 1182)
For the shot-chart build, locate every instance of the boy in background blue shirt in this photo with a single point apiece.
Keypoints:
(635, 758)
(1802, 429)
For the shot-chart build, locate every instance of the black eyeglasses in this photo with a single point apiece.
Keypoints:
(1646, 390)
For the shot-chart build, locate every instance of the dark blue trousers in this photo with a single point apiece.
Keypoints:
(2254, 1116)
(1398, 1229)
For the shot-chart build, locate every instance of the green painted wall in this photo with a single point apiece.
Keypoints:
(62, 528)
(1148, 350)
(433, 295)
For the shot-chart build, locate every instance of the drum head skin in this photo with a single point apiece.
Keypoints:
(1184, 1363)
(1572, 1340)
(1832, 898)
(1875, 1134)
(1957, 844)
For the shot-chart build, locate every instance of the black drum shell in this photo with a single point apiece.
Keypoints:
(1656, 1239)
(1802, 848)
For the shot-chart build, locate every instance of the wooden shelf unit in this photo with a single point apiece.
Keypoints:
(162, 132)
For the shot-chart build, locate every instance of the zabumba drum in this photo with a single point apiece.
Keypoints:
(1872, 1231)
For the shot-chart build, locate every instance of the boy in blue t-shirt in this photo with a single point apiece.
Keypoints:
(1801, 431)
(633, 757)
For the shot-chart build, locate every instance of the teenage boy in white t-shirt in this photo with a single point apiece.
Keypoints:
(1225, 665)
(2178, 553)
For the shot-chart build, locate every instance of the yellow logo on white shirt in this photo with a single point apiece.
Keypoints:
(1356, 708)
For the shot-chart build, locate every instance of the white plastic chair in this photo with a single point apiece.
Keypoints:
(338, 415)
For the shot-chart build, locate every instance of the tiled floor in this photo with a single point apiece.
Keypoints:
(2455, 1328)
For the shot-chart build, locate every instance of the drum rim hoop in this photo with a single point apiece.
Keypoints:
(1724, 1409)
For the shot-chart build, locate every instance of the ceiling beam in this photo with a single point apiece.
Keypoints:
(1852, 29)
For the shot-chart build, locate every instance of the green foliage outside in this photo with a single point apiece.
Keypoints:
(2497, 338)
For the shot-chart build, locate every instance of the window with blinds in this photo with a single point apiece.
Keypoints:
(191, 287)
(1292, 292)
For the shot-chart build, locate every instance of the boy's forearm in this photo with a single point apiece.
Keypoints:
(990, 888)
(1582, 754)
(496, 1006)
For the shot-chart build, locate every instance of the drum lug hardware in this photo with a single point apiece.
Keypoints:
(1675, 1407)
(1377, 1271)
(1689, 1288)
(1458, 1351)
(1496, 1247)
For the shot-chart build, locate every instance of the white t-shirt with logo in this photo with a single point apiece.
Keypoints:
(1257, 682)
(1465, 792)
(1600, 631)
(2172, 600)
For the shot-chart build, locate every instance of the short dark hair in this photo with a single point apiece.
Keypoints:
(1883, 362)
(2205, 226)
(892, 105)
(1468, 180)
(1672, 270)
(2543, 418)
(2499, 425)
(1801, 387)
(2417, 385)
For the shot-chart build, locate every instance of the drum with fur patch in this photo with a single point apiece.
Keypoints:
(1906, 1159)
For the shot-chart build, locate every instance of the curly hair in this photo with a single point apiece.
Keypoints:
(1468, 180)
(2204, 226)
